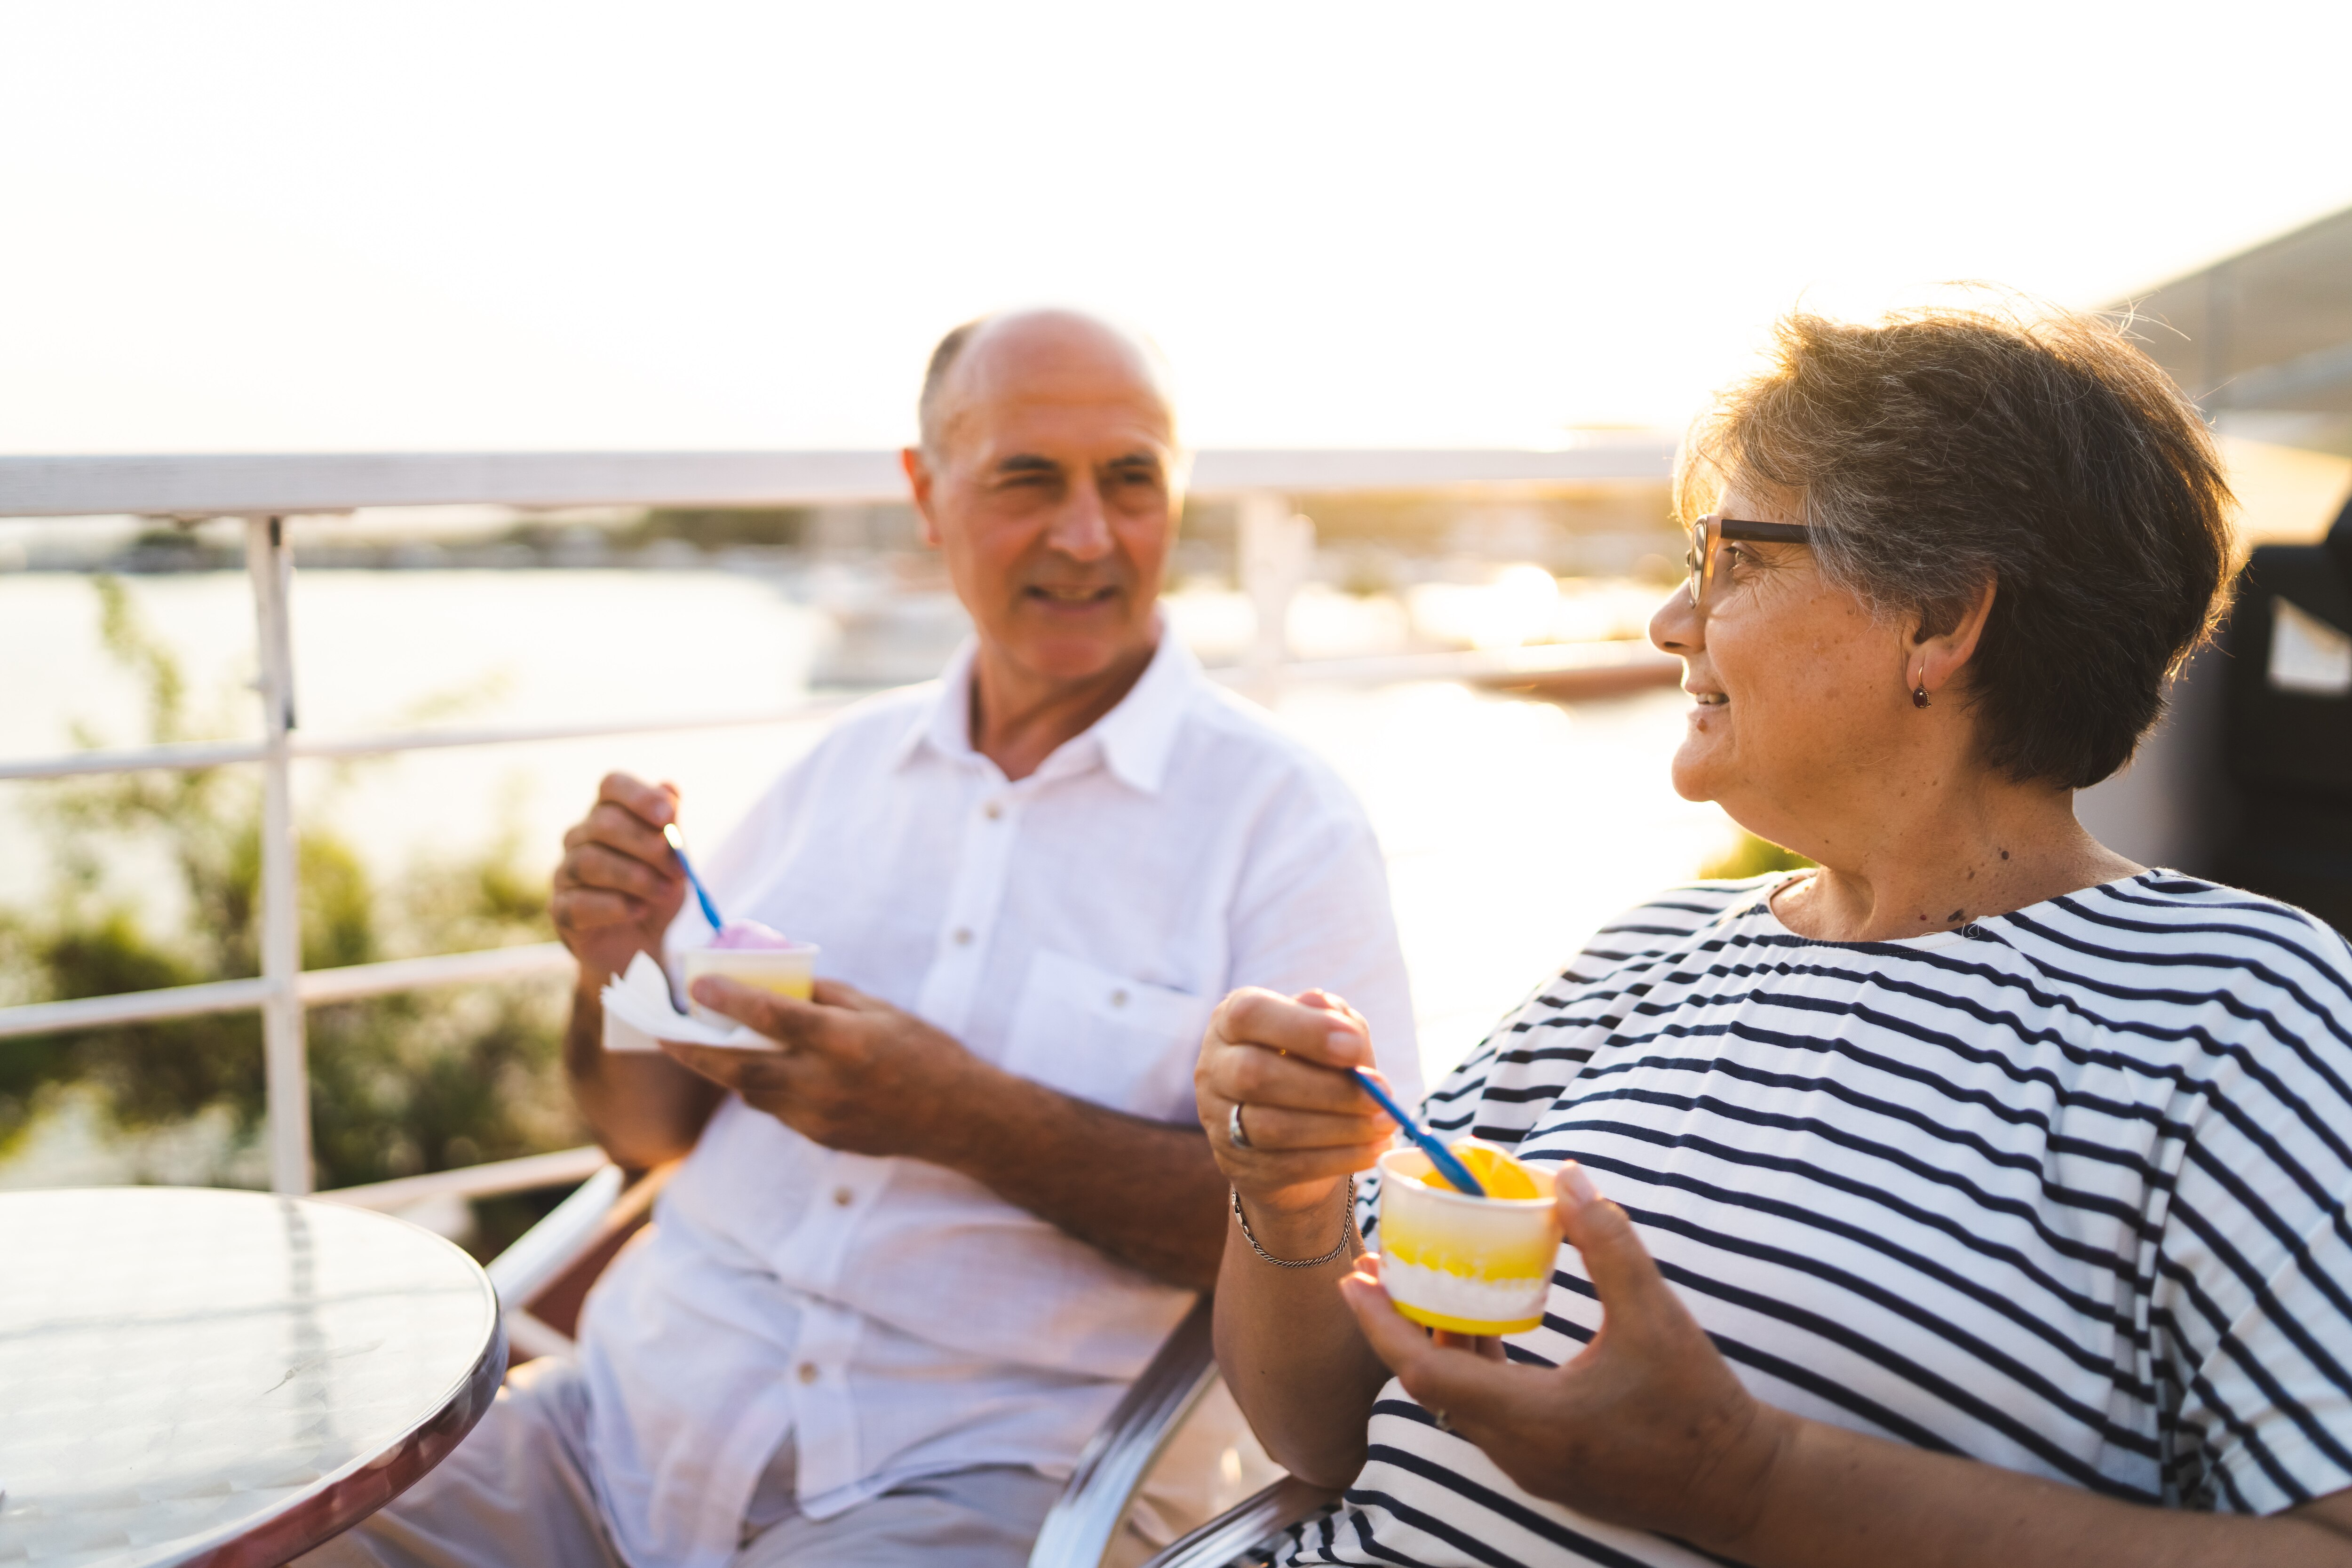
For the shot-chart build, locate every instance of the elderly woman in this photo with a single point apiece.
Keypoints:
(1975, 1198)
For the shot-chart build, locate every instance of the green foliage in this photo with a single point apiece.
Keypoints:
(1752, 856)
(399, 1084)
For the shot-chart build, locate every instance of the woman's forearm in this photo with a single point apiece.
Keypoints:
(1290, 1350)
(1835, 1498)
(1293, 1354)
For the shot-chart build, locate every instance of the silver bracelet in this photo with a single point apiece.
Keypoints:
(1347, 1231)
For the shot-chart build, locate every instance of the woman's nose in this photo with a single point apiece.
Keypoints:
(1677, 627)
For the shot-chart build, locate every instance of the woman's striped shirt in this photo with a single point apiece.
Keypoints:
(2063, 1191)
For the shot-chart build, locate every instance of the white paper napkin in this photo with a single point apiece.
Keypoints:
(640, 998)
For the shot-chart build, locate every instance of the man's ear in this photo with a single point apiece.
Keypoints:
(919, 481)
(1936, 657)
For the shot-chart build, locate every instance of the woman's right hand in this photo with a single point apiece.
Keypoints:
(1309, 1125)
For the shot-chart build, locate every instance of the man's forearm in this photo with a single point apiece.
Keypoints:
(643, 1108)
(1834, 1499)
(1148, 1193)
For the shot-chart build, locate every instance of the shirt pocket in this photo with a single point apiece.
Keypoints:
(1100, 1037)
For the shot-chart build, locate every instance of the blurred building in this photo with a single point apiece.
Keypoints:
(2264, 339)
(2240, 780)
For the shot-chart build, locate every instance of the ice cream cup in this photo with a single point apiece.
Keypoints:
(1475, 1266)
(788, 971)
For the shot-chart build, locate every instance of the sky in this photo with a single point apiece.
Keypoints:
(483, 224)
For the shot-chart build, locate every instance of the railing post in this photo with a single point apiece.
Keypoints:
(1276, 549)
(271, 566)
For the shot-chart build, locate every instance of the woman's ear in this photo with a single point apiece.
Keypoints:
(1936, 656)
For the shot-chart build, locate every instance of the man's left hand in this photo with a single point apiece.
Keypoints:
(851, 1073)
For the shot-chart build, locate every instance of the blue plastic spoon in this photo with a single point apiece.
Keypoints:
(677, 842)
(1448, 1167)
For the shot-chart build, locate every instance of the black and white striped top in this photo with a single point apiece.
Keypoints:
(2062, 1191)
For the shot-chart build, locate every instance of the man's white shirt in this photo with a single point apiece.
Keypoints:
(1076, 927)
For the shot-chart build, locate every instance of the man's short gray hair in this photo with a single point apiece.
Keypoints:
(929, 410)
(933, 410)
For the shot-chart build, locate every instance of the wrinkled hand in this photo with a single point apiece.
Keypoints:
(853, 1073)
(1285, 1061)
(1646, 1427)
(618, 887)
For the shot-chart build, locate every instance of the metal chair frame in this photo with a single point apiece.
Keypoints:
(1116, 1461)
(549, 1268)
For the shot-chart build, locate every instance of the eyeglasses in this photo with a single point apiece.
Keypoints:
(1711, 531)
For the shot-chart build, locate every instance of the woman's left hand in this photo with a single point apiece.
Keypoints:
(1645, 1426)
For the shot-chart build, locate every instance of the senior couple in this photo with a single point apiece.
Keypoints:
(1975, 1198)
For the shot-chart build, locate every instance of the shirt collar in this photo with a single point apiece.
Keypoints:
(1139, 734)
(944, 722)
(1134, 740)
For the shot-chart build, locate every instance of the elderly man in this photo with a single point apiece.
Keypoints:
(913, 1257)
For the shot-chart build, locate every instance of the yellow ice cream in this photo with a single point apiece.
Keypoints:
(1474, 1266)
(1502, 1176)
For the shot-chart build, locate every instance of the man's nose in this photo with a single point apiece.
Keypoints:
(1677, 627)
(1081, 526)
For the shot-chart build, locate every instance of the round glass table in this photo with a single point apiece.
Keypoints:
(197, 1376)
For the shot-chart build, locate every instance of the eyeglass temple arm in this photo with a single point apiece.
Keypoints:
(1761, 532)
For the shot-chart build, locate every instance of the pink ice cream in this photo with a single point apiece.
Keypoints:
(751, 934)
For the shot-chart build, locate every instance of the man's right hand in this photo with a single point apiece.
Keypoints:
(618, 887)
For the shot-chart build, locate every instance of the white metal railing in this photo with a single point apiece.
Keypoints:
(530, 1174)
(215, 753)
(210, 485)
(314, 987)
(265, 490)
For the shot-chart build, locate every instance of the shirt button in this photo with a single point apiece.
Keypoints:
(963, 936)
(1119, 998)
(993, 810)
(808, 1372)
(842, 1197)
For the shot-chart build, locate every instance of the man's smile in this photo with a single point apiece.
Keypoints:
(1078, 598)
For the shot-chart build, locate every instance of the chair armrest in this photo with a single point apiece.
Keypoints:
(1093, 1507)
(544, 1276)
(1251, 1523)
(549, 1247)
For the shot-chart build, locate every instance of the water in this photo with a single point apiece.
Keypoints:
(1512, 829)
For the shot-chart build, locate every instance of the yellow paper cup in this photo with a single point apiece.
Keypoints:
(1475, 1266)
(786, 971)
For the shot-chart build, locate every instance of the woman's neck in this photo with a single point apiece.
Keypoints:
(2004, 847)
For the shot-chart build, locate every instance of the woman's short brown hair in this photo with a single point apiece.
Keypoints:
(1940, 449)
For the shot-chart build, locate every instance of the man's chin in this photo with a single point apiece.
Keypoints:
(1074, 657)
